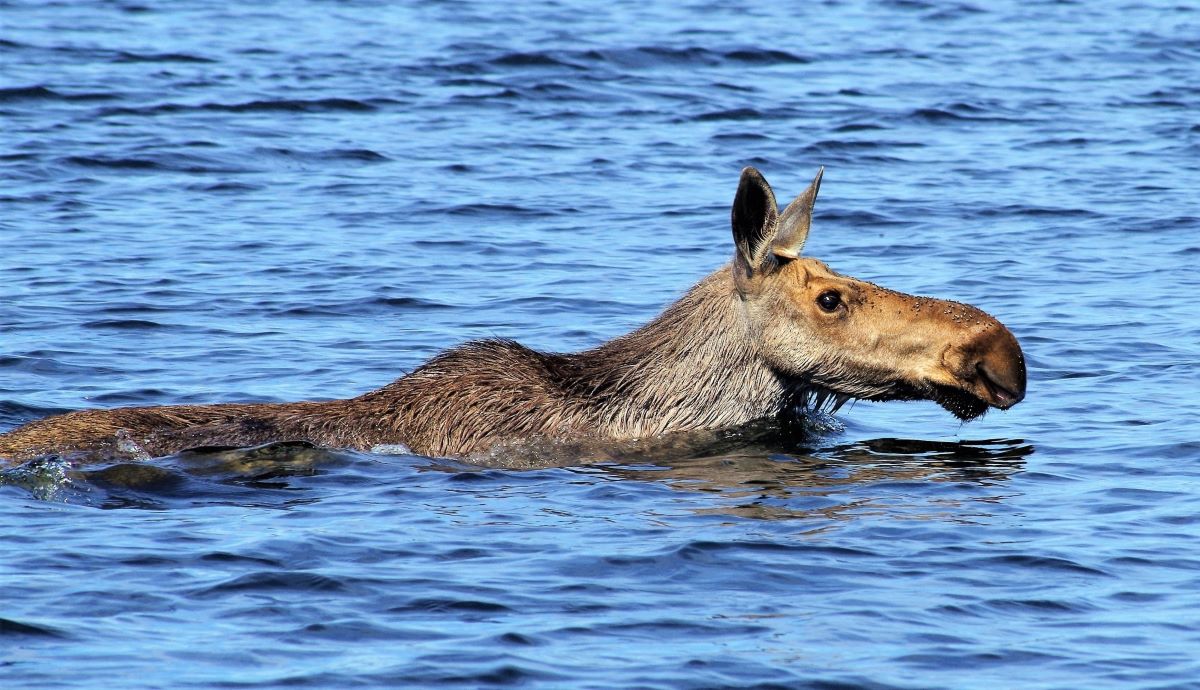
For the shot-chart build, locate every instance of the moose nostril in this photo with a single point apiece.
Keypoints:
(1001, 369)
(1006, 393)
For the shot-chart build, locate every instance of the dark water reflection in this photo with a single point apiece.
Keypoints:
(757, 479)
(837, 482)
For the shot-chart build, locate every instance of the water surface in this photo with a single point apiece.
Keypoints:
(208, 202)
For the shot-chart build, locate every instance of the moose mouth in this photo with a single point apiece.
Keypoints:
(967, 404)
(960, 403)
(967, 401)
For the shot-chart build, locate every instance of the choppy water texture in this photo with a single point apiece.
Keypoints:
(214, 201)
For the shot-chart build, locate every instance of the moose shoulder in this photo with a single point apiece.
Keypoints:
(761, 337)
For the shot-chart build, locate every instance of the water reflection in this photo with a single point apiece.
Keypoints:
(757, 472)
(764, 481)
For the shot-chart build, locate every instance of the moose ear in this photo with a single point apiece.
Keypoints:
(796, 221)
(755, 219)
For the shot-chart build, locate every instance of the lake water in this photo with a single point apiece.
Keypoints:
(209, 201)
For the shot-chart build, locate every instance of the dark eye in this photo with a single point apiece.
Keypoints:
(829, 301)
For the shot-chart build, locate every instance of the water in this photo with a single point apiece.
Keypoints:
(210, 201)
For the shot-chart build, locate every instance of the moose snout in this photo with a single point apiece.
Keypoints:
(996, 367)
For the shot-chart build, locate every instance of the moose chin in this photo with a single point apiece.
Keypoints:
(764, 337)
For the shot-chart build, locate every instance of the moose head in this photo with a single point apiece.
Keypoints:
(854, 339)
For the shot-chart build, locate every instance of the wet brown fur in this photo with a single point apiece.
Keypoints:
(748, 342)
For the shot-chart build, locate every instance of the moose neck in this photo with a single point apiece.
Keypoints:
(693, 367)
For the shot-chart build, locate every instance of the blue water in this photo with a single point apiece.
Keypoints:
(209, 201)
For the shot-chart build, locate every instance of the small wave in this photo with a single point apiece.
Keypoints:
(124, 324)
(1038, 606)
(365, 155)
(1037, 212)
(517, 639)
(448, 243)
(766, 56)
(227, 557)
(561, 91)
(42, 93)
(935, 115)
(740, 137)
(731, 114)
(688, 54)
(859, 127)
(126, 56)
(641, 56)
(1057, 142)
(226, 187)
(863, 218)
(14, 628)
(690, 550)
(408, 303)
(1047, 563)
(365, 306)
(931, 660)
(834, 146)
(167, 162)
(28, 92)
(440, 675)
(957, 11)
(137, 396)
(492, 210)
(502, 94)
(471, 82)
(649, 56)
(50, 363)
(958, 113)
(355, 631)
(900, 53)
(133, 308)
(533, 59)
(267, 581)
(464, 554)
(13, 413)
(442, 605)
(354, 154)
(121, 163)
(302, 106)
(672, 628)
(317, 105)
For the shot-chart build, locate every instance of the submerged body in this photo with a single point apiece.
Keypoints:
(753, 340)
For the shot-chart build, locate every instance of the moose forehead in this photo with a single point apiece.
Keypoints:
(804, 278)
(809, 275)
(808, 272)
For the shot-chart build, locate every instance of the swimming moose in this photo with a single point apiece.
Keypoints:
(761, 337)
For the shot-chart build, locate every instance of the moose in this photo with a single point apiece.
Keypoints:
(766, 336)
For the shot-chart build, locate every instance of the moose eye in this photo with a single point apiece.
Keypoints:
(829, 301)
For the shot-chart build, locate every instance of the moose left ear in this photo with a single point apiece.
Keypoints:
(796, 221)
(755, 219)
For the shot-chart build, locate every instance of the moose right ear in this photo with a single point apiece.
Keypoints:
(796, 221)
(755, 221)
